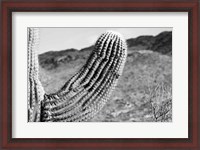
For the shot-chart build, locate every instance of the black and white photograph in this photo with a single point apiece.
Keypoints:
(100, 74)
(90, 74)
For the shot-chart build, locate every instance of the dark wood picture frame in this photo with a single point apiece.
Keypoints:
(9, 6)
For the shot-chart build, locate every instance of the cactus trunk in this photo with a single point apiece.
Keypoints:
(35, 89)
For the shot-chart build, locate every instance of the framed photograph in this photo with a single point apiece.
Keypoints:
(100, 74)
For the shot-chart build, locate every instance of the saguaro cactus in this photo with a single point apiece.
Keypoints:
(87, 91)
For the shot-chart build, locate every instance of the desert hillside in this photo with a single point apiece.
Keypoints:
(144, 90)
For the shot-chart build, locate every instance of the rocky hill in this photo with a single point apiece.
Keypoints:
(162, 43)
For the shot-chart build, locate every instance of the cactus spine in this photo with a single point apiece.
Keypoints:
(87, 91)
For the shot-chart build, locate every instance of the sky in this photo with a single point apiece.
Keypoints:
(55, 39)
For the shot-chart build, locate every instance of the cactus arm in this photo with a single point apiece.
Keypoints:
(86, 93)
(92, 106)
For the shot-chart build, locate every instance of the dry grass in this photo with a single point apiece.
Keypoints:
(160, 99)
